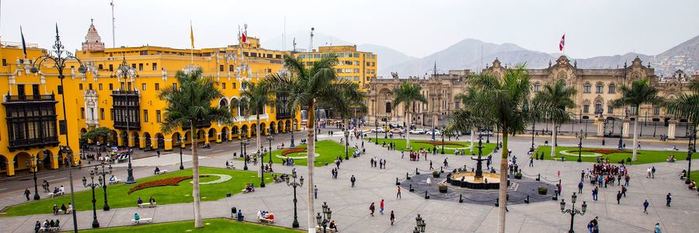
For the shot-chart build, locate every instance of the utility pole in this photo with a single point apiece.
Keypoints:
(310, 48)
(113, 20)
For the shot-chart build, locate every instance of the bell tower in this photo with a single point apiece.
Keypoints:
(93, 41)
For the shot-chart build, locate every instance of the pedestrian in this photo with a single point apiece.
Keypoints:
(157, 152)
(353, 179)
(594, 193)
(645, 206)
(26, 194)
(381, 205)
(371, 209)
(393, 217)
(402, 154)
(531, 161)
(618, 198)
(431, 168)
(626, 180)
(657, 228)
(623, 191)
(652, 172)
(648, 171)
(580, 187)
(582, 175)
(37, 227)
(398, 195)
(668, 199)
(315, 191)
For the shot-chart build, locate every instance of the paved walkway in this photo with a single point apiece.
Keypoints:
(350, 205)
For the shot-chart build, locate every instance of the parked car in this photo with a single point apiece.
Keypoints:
(396, 130)
(417, 131)
(377, 129)
(436, 132)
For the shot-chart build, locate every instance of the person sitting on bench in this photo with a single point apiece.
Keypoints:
(139, 201)
(156, 171)
(249, 188)
(151, 200)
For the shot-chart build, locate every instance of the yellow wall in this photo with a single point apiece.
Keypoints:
(357, 66)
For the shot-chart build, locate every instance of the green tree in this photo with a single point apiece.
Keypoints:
(188, 106)
(407, 93)
(500, 102)
(309, 87)
(464, 120)
(349, 101)
(257, 96)
(687, 106)
(96, 134)
(553, 102)
(640, 92)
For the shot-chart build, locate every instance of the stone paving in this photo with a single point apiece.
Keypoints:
(350, 205)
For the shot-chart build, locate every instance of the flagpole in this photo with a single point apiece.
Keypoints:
(191, 37)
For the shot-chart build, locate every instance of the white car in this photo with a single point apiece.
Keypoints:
(436, 132)
(377, 130)
(417, 131)
(396, 130)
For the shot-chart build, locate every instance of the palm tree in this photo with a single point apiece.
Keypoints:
(463, 120)
(257, 96)
(640, 92)
(308, 87)
(348, 102)
(188, 106)
(687, 106)
(553, 101)
(407, 93)
(500, 102)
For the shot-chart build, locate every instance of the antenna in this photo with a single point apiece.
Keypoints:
(113, 20)
(284, 36)
(310, 49)
(294, 43)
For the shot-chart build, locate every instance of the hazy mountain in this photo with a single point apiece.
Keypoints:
(387, 57)
(684, 56)
(615, 61)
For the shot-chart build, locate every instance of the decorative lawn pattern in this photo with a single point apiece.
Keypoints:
(172, 181)
(214, 225)
(613, 155)
(119, 196)
(449, 146)
(695, 174)
(327, 152)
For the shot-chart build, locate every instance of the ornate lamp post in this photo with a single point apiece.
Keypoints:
(295, 184)
(347, 133)
(419, 224)
(244, 142)
(376, 131)
(573, 211)
(181, 146)
(33, 168)
(443, 140)
(580, 137)
(92, 184)
(103, 180)
(270, 139)
(293, 123)
(128, 73)
(690, 151)
(325, 219)
(59, 57)
(262, 168)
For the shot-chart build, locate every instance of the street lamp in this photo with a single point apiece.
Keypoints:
(419, 224)
(325, 219)
(294, 184)
(103, 180)
(293, 123)
(244, 142)
(376, 131)
(347, 144)
(181, 146)
(270, 139)
(580, 137)
(33, 168)
(59, 56)
(690, 151)
(573, 211)
(92, 184)
(128, 73)
(443, 140)
(262, 167)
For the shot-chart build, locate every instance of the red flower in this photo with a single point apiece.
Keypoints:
(172, 181)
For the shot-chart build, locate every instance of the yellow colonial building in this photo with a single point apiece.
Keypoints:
(357, 66)
(103, 97)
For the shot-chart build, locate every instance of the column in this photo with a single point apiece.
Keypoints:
(625, 128)
(218, 137)
(671, 129)
(10, 165)
(206, 138)
(600, 126)
(168, 144)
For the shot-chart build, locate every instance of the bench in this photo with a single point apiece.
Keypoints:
(231, 166)
(52, 195)
(148, 205)
(115, 181)
(328, 230)
(264, 220)
(161, 172)
(142, 220)
(49, 229)
(68, 211)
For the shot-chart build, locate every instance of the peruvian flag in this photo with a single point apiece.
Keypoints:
(562, 43)
(244, 37)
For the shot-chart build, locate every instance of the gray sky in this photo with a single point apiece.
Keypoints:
(417, 28)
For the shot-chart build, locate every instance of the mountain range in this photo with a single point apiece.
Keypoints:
(474, 54)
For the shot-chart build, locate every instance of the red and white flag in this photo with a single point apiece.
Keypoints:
(562, 43)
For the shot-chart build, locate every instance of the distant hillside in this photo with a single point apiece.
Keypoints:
(387, 56)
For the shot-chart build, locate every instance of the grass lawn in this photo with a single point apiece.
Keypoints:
(327, 150)
(119, 197)
(695, 175)
(614, 155)
(448, 149)
(210, 225)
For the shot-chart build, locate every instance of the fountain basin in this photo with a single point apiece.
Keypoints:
(468, 180)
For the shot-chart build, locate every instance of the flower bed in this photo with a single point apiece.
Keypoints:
(286, 152)
(172, 181)
(439, 143)
(604, 151)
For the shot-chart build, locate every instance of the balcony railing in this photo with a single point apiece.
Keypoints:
(25, 98)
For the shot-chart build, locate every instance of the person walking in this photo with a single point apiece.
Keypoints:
(398, 195)
(315, 191)
(393, 217)
(652, 172)
(618, 198)
(595, 192)
(371, 209)
(580, 187)
(353, 179)
(381, 205)
(623, 191)
(657, 228)
(27, 193)
(645, 206)
(431, 168)
(668, 199)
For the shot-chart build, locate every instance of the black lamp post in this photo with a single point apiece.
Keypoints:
(124, 71)
(181, 146)
(442, 140)
(347, 133)
(419, 224)
(573, 211)
(103, 181)
(92, 184)
(293, 123)
(59, 56)
(325, 219)
(621, 135)
(690, 151)
(580, 137)
(604, 129)
(376, 131)
(244, 142)
(294, 184)
(262, 167)
(270, 139)
(33, 168)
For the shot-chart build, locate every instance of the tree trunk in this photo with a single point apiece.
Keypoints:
(503, 183)
(310, 148)
(407, 130)
(259, 145)
(553, 140)
(198, 222)
(635, 137)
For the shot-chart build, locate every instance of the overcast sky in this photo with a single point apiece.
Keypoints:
(417, 28)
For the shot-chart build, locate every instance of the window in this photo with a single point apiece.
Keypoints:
(99, 86)
(80, 86)
(111, 67)
(157, 116)
(223, 85)
(656, 110)
(598, 108)
(155, 66)
(145, 115)
(612, 88)
(587, 88)
(157, 86)
(100, 66)
(537, 87)
(35, 90)
(4, 62)
(101, 113)
(388, 107)
(143, 86)
(220, 68)
(82, 113)
(586, 108)
(610, 109)
(234, 86)
(243, 85)
(140, 66)
(89, 86)
(599, 88)
(20, 90)
(230, 68)
(111, 114)
(111, 87)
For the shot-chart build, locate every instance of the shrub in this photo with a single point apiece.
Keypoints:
(172, 181)
(543, 190)
(443, 188)
(518, 175)
(435, 174)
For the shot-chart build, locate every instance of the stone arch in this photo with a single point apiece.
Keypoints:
(272, 128)
(263, 129)
(187, 137)
(223, 103)
(83, 131)
(212, 134)
(235, 131)
(176, 139)
(113, 137)
(235, 107)
(224, 134)
(280, 127)
(244, 131)
(136, 139)
(160, 139)
(45, 159)
(287, 125)
(253, 130)
(147, 140)
(3, 164)
(21, 161)
(200, 136)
